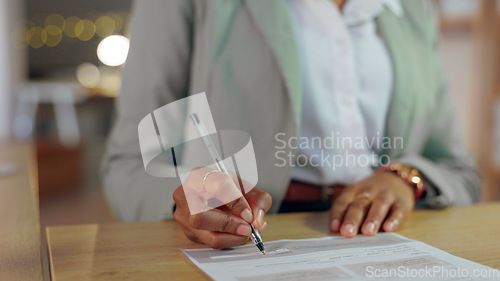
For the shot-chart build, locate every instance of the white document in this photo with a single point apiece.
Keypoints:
(384, 256)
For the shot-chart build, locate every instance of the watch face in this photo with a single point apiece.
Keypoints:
(412, 176)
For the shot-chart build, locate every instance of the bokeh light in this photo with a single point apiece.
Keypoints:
(88, 75)
(113, 50)
(36, 37)
(55, 20)
(54, 29)
(21, 33)
(54, 35)
(118, 20)
(111, 80)
(69, 26)
(85, 30)
(105, 26)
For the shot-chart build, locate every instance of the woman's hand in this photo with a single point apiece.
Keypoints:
(227, 225)
(383, 199)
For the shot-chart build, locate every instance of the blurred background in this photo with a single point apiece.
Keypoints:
(60, 71)
(67, 56)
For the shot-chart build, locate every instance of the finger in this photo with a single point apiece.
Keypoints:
(339, 208)
(190, 235)
(217, 220)
(220, 240)
(182, 213)
(354, 216)
(260, 202)
(181, 216)
(193, 195)
(179, 196)
(377, 213)
(222, 187)
(396, 216)
(263, 227)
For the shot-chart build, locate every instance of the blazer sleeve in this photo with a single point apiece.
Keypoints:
(156, 73)
(445, 163)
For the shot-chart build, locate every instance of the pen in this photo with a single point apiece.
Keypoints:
(202, 131)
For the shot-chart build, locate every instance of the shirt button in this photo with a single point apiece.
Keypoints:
(346, 101)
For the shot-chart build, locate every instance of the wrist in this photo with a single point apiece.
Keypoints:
(409, 174)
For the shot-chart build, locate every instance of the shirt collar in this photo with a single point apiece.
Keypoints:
(357, 12)
(395, 7)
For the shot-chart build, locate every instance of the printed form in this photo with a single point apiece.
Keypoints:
(384, 256)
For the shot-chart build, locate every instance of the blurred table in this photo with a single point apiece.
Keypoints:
(150, 251)
(20, 251)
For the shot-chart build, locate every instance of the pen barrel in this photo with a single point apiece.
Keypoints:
(202, 131)
(260, 246)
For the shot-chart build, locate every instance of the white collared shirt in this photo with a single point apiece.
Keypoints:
(347, 79)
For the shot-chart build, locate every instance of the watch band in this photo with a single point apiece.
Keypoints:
(409, 174)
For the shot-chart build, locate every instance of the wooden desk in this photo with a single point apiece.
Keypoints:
(20, 251)
(147, 251)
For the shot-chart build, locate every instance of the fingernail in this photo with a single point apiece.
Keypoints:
(243, 230)
(393, 225)
(264, 226)
(349, 228)
(247, 215)
(335, 225)
(371, 228)
(260, 217)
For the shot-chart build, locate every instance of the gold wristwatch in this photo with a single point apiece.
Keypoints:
(409, 174)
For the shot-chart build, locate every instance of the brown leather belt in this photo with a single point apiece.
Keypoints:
(299, 191)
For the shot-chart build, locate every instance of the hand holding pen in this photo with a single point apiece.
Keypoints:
(228, 225)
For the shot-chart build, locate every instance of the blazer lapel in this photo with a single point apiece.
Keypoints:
(401, 111)
(273, 20)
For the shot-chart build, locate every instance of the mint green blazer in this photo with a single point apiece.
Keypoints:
(243, 54)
